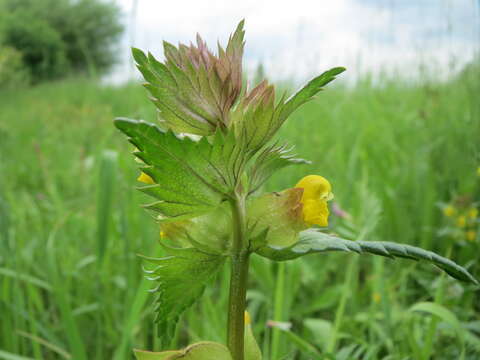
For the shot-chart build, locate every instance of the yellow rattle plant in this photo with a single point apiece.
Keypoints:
(203, 164)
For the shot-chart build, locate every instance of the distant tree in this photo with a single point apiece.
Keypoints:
(13, 72)
(58, 37)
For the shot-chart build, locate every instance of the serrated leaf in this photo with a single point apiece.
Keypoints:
(312, 241)
(258, 116)
(194, 90)
(181, 280)
(191, 177)
(307, 92)
(268, 161)
(255, 117)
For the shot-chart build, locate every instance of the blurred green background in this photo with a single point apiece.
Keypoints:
(403, 156)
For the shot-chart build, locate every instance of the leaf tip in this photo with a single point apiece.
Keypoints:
(139, 56)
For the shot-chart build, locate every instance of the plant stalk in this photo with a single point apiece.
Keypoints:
(238, 281)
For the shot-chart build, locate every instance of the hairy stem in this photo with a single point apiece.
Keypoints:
(238, 281)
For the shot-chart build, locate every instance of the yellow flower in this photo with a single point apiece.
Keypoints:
(473, 213)
(316, 192)
(471, 235)
(461, 221)
(145, 179)
(247, 317)
(376, 297)
(478, 171)
(449, 210)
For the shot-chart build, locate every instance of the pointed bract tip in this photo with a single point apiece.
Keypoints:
(338, 70)
(139, 56)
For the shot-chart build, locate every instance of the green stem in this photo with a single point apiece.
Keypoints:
(438, 299)
(278, 310)
(238, 281)
(333, 338)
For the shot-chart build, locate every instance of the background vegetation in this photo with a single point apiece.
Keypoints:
(396, 153)
(53, 38)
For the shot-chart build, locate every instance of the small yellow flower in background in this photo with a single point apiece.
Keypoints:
(145, 179)
(248, 319)
(316, 192)
(473, 213)
(449, 210)
(478, 171)
(461, 221)
(471, 235)
(252, 350)
(376, 297)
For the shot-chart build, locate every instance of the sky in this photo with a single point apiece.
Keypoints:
(297, 39)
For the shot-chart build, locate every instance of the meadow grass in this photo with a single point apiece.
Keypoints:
(70, 227)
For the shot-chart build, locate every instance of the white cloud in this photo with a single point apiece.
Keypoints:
(303, 37)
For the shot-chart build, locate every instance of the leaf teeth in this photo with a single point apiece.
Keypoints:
(268, 161)
(194, 89)
(180, 281)
(312, 241)
(192, 177)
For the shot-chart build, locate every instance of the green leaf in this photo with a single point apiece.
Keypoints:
(191, 177)
(252, 350)
(312, 241)
(255, 118)
(106, 183)
(173, 94)
(268, 161)
(149, 355)
(194, 90)
(440, 311)
(181, 279)
(307, 92)
(258, 116)
(321, 330)
(205, 350)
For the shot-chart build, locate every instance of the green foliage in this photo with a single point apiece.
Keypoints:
(204, 350)
(191, 177)
(405, 155)
(107, 174)
(200, 93)
(258, 117)
(275, 218)
(13, 72)
(57, 37)
(181, 281)
(194, 90)
(307, 92)
(252, 350)
(270, 160)
(313, 241)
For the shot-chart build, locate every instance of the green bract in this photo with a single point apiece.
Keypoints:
(204, 192)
